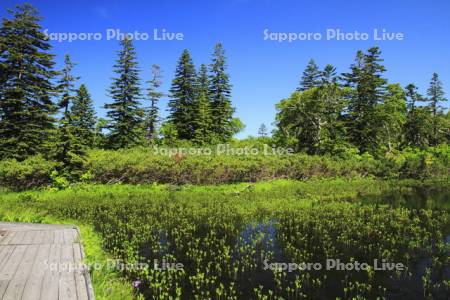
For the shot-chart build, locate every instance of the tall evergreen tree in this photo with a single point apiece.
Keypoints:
(311, 76)
(154, 95)
(66, 86)
(435, 98)
(124, 113)
(69, 149)
(331, 96)
(220, 93)
(369, 89)
(183, 96)
(203, 117)
(262, 131)
(329, 75)
(26, 88)
(83, 117)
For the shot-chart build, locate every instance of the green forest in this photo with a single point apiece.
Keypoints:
(356, 167)
(47, 116)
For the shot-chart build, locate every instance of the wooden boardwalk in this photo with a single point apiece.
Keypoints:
(42, 262)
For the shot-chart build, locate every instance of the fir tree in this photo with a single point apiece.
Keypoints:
(83, 117)
(154, 96)
(311, 76)
(66, 86)
(26, 88)
(220, 93)
(328, 75)
(183, 96)
(368, 90)
(69, 149)
(124, 113)
(435, 98)
(262, 131)
(203, 118)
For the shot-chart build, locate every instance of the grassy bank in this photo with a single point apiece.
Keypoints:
(158, 165)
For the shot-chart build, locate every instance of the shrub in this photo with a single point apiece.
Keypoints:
(30, 173)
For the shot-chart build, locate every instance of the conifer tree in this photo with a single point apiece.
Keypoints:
(26, 88)
(183, 97)
(203, 117)
(369, 89)
(332, 128)
(66, 86)
(69, 149)
(83, 117)
(220, 93)
(154, 95)
(435, 98)
(328, 75)
(262, 131)
(124, 113)
(311, 76)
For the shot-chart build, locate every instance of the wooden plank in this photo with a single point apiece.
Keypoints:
(80, 279)
(3, 287)
(42, 262)
(28, 237)
(33, 286)
(76, 236)
(38, 237)
(68, 236)
(9, 268)
(17, 284)
(17, 238)
(67, 285)
(49, 237)
(9, 235)
(59, 236)
(5, 253)
(50, 286)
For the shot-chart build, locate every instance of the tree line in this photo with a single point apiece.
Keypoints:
(360, 110)
(45, 111)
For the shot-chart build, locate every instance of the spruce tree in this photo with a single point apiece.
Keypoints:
(124, 113)
(220, 93)
(311, 76)
(183, 97)
(66, 86)
(435, 98)
(368, 90)
(332, 128)
(328, 75)
(203, 117)
(26, 88)
(69, 149)
(83, 117)
(262, 131)
(154, 95)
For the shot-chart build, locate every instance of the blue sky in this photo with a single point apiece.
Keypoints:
(262, 71)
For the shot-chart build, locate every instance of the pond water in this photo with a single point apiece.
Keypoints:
(262, 244)
(403, 287)
(435, 198)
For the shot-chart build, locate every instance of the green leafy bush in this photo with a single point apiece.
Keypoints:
(30, 173)
(147, 165)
